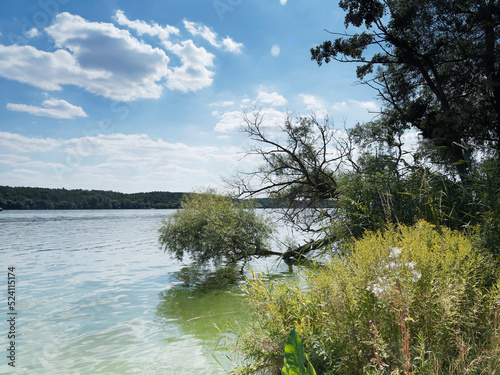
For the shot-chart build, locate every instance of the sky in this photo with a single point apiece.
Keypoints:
(140, 96)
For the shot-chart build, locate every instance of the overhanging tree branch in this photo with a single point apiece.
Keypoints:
(300, 157)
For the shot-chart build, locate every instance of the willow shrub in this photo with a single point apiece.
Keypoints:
(417, 300)
(213, 227)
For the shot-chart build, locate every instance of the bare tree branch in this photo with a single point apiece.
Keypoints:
(300, 158)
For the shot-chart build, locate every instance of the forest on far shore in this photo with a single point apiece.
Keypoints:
(31, 198)
(34, 198)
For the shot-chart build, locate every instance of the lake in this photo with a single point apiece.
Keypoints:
(96, 295)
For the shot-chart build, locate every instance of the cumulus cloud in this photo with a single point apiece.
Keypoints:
(203, 31)
(229, 122)
(46, 70)
(353, 111)
(313, 103)
(32, 33)
(123, 67)
(108, 61)
(193, 74)
(271, 98)
(98, 57)
(54, 108)
(368, 105)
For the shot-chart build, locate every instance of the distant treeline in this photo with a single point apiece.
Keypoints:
(28, 198)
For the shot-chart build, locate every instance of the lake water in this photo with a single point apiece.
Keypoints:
(96, 295)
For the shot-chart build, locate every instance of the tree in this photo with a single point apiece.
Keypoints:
(438, 68)
(214, 227)
(301, 157)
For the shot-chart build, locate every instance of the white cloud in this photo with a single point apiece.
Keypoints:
(142, 27)
(232, 46)
(134, 162)
(367, 105)
(193, 75)
(46, 70)
(123, 67)
(54, 108)
(245, 102)
(230, 122)
(339, 106)
(313, 103)
(352, 111)
(107, 61)
(203, 31)
(224, 103)
(95, 56)
(356, 105)
(12, 159)
(206, 33)
(33, 33)
(16, 143)
(271, 98)
(26, 171)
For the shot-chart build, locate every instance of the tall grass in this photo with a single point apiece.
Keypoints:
(407, 300)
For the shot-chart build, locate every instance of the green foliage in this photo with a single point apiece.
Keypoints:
(214, 227)
(386, 189)
(408, 299)
(296, 361)
(434, 65)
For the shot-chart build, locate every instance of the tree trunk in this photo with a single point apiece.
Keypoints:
(300, 251)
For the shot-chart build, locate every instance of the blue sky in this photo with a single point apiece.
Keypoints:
(135, 96)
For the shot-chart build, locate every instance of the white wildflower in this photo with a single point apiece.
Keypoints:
(395, 252)
(416, 276)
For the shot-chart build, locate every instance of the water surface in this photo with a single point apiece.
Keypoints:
(96, 295)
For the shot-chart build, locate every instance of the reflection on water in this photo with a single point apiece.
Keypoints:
(201, 303)
(96, 295)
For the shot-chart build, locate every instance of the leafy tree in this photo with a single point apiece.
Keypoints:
(437, 68)
(214, 227)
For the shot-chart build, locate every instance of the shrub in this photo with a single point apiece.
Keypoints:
(214, 227)
(409, 299)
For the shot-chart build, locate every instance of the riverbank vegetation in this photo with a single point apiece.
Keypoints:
(412, 231)
(419, 300)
